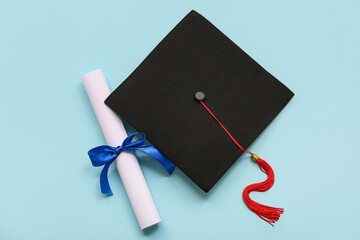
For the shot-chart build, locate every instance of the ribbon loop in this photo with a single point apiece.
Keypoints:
(128, 143)
(105, 155)
(101, 155)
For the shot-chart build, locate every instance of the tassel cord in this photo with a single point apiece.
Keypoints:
(266, 213)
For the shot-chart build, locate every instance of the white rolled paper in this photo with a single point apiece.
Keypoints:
(126, 163)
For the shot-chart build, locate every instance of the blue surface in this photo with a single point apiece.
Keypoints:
(49, 190)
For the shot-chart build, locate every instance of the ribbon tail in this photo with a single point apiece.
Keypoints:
(164, 161)
(104, 181)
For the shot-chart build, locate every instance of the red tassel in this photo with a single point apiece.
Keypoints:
(266, 213)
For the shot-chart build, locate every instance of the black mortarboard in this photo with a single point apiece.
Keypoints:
(158, 99)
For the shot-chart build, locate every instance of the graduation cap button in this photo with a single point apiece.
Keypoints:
(199, 95)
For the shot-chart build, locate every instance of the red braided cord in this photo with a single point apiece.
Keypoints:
(223, 127)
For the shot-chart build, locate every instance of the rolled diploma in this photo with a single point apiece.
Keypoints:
(126, 163)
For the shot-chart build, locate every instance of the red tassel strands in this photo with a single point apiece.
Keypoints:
(266, 213)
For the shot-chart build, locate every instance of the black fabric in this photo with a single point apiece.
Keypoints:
(158, 99)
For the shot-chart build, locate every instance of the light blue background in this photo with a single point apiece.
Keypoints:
(49, 190)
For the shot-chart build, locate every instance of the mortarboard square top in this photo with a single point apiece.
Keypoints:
(158, 99)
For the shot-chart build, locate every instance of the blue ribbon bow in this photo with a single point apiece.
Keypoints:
(105, 155)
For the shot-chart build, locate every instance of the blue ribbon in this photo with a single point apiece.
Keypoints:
(105, 155)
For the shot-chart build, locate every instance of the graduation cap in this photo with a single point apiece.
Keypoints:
(202, 101)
